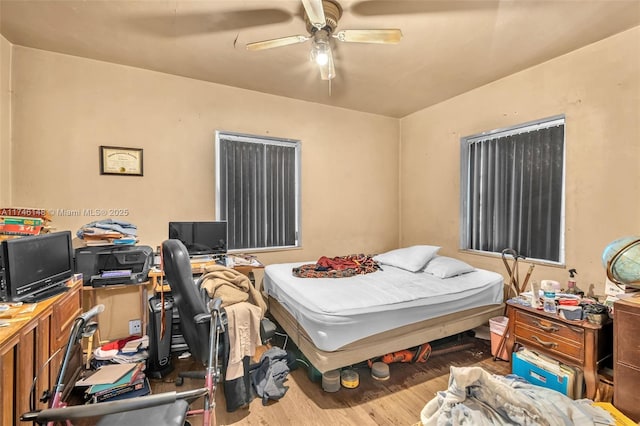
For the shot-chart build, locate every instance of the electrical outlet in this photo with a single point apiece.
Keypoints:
(135, 327)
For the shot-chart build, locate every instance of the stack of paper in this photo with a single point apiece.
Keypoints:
(547, 372)
(116, 381)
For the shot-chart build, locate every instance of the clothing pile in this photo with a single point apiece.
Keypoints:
(107, 232)
(231, 286)
(244, 309)
(476, 397)
(270, 374)
(123, 351)
(337, 267)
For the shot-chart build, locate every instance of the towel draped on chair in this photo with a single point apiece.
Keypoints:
(231, 286)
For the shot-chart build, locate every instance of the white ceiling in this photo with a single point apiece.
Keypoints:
(448, 46)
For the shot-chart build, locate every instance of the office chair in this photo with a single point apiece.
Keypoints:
(192, 307)
(191, 301)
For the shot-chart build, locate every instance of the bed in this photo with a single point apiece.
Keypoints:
(337, 322)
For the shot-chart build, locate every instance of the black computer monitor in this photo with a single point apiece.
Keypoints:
(200, 237)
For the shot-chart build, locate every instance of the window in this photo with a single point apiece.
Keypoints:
(257, 190)
(512, 190)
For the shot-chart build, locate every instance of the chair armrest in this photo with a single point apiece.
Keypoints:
(202, 318)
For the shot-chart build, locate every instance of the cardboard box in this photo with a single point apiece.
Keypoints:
(612, 289)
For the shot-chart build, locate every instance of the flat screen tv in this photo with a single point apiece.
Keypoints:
(36, 267)
(200, 238)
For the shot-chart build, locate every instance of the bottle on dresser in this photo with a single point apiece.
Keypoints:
(549, 298)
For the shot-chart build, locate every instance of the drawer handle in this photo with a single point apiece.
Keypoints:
(546, 328)
(543, 343)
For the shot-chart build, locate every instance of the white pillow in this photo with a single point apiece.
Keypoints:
(446, 267)
(410, 258)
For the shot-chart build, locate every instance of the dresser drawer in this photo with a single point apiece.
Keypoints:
(553, 344)
(64, 313)
(550, 328)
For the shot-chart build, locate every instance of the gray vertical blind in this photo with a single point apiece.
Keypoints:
(257, 192)
(515, 192)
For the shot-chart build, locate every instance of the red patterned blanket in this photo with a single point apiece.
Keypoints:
(337, 267)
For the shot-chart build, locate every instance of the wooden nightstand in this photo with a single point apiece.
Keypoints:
(577, 343)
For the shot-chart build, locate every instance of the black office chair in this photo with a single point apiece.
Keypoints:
(191, 301)
(192, 307)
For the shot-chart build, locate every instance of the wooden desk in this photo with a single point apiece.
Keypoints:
(577, 343)
(26, 345)
(93, 293)
(155, 276)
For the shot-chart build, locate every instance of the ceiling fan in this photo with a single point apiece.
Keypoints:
(321, 18)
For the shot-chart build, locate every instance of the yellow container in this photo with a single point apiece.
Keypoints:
(349, 379)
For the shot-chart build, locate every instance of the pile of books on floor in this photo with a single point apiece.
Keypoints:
(113, 382)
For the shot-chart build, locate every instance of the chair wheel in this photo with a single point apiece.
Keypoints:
(179, 381)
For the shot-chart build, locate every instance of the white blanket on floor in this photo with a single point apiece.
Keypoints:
(476, 397)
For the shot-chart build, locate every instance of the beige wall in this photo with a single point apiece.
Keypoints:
(63, 108)
(598, 88)
(5, 122)
(66, 107)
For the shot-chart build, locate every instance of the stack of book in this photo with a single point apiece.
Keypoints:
(131, 384)
(16, 221)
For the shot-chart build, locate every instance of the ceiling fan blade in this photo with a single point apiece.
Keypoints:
(276, 42)
(328, 70)
(390, 36)
(395, 7)
(315, 12)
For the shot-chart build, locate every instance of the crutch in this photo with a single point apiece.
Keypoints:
(513, 273)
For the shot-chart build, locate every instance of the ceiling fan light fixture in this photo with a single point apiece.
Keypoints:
(321, 54)
(321, 20)
(320, 48)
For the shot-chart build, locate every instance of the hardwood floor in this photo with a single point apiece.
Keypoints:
(397, 401)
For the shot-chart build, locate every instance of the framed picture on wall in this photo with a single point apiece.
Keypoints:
(120, 161)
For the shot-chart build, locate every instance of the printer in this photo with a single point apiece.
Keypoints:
(108, 265)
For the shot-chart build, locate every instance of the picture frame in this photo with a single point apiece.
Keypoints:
(115, 160)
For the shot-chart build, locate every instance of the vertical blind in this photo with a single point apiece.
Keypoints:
(257, 191)
(515, 192)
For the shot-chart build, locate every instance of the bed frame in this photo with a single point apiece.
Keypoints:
(390, 341)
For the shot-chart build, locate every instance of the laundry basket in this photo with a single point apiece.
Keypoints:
(497, 327)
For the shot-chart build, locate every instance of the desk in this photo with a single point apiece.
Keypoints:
(156, 276)
(93, 293)
(577, 343)
(27, 343)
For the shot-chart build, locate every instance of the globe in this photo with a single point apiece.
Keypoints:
(621, 260)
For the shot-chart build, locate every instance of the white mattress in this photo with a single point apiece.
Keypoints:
(338, 311)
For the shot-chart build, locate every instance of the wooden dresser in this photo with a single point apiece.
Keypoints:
(26, 345)
(626, 357)
(577, 343)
